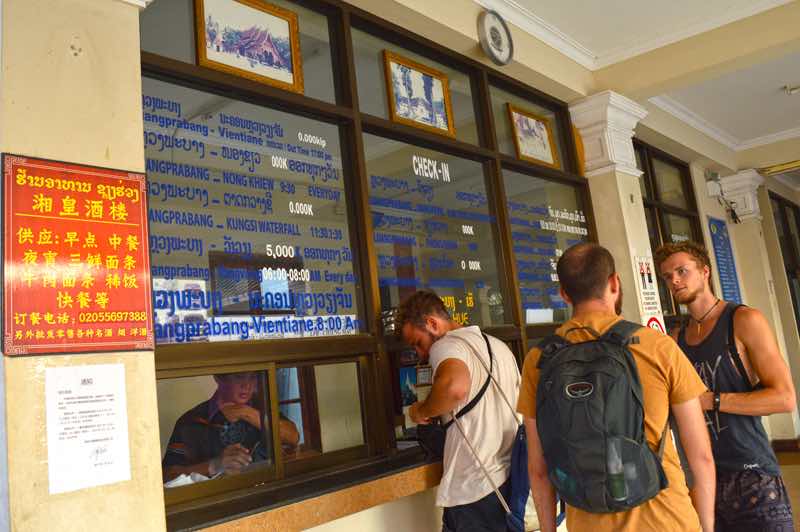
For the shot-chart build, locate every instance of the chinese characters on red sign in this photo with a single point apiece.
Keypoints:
(76, 267)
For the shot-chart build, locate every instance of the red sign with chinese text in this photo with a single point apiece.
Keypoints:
(76, 262)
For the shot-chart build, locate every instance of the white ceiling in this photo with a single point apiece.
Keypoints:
(745, 108)
(598, 33)
(741, 109)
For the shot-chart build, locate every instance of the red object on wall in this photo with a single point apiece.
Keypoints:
(76, 269)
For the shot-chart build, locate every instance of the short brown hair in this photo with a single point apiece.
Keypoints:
(416, 307)
(583, 271)
(695, 250)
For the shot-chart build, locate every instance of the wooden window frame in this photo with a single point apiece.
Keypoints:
(371, 348)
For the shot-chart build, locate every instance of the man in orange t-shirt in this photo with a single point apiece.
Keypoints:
(590, 283)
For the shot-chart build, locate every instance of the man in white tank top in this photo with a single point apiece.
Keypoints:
(464, 492)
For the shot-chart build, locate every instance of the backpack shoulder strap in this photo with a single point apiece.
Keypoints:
(737, 359)
(549, 346)
(622, 333)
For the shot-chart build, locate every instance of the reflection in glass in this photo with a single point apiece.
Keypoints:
(433, 230)
(678, 228)
(248, 221)
(546, 219)
(670, 183)
(167, 28)
(323, 402)
(371, 78)
(226, 433)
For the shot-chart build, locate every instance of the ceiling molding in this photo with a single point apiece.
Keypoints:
(526, 20)
(669, 105)
(141, 4)
(769, 139)
(686, 115)
(624, 52)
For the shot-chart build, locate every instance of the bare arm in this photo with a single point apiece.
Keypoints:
(694, 438)
(761, 351)
(450, 387)
(544, 496)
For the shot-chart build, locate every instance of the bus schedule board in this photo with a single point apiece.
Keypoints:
(76, 269)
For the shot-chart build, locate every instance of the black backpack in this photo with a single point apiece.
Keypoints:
(590, 419)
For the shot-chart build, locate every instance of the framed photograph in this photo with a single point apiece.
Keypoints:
(533, 137)
(419, 96)
(250, 38)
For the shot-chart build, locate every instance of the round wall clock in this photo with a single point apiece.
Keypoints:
(495, 37)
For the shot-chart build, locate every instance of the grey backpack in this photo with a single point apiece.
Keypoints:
(590, 419)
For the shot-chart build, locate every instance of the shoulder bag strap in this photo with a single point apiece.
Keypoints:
(474, 401)
(491, 359)
(502, 499)
(737, 359)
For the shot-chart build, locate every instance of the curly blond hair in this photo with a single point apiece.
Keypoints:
(695, 250)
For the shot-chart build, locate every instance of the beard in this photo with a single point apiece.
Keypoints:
(618, 302)
(685, 297)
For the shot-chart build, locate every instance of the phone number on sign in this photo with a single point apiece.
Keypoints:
(111, 317)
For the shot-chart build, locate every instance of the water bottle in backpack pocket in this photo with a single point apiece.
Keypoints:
(590, 419)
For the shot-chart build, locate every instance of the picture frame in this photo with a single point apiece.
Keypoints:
(533, 137)
(251, 39)
(418, 95)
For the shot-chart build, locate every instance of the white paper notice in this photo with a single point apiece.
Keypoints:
(649, 300)
(87, 426)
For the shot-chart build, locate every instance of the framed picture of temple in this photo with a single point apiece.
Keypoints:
(418, 95)
(533, 137)
(250, 38)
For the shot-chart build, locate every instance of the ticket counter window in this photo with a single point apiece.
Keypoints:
(322, 403)
(248, 221)
(546, 218)
(217, 426)
(433, 230)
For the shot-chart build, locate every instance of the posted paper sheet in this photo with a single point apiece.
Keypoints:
(87, 426)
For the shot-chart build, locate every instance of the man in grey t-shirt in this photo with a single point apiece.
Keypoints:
(464, 492)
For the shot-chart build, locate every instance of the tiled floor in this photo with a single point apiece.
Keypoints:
(790, 466)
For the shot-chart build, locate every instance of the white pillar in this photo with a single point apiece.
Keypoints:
(606, 122)
(741, 192)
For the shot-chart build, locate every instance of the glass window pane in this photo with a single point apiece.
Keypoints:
(652, 228)
(248, 225)
(167, 28)
(372, 95)
(667, 303)
(643, 178)
(433, 229)
(327, 416)
(546, 218)
(288, 384)
(783, 234)
(202, 417)
(669, 180)
(502, 120)
(793, 230)
(677, 228)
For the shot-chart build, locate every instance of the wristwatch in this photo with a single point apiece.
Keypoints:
(717, 399)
